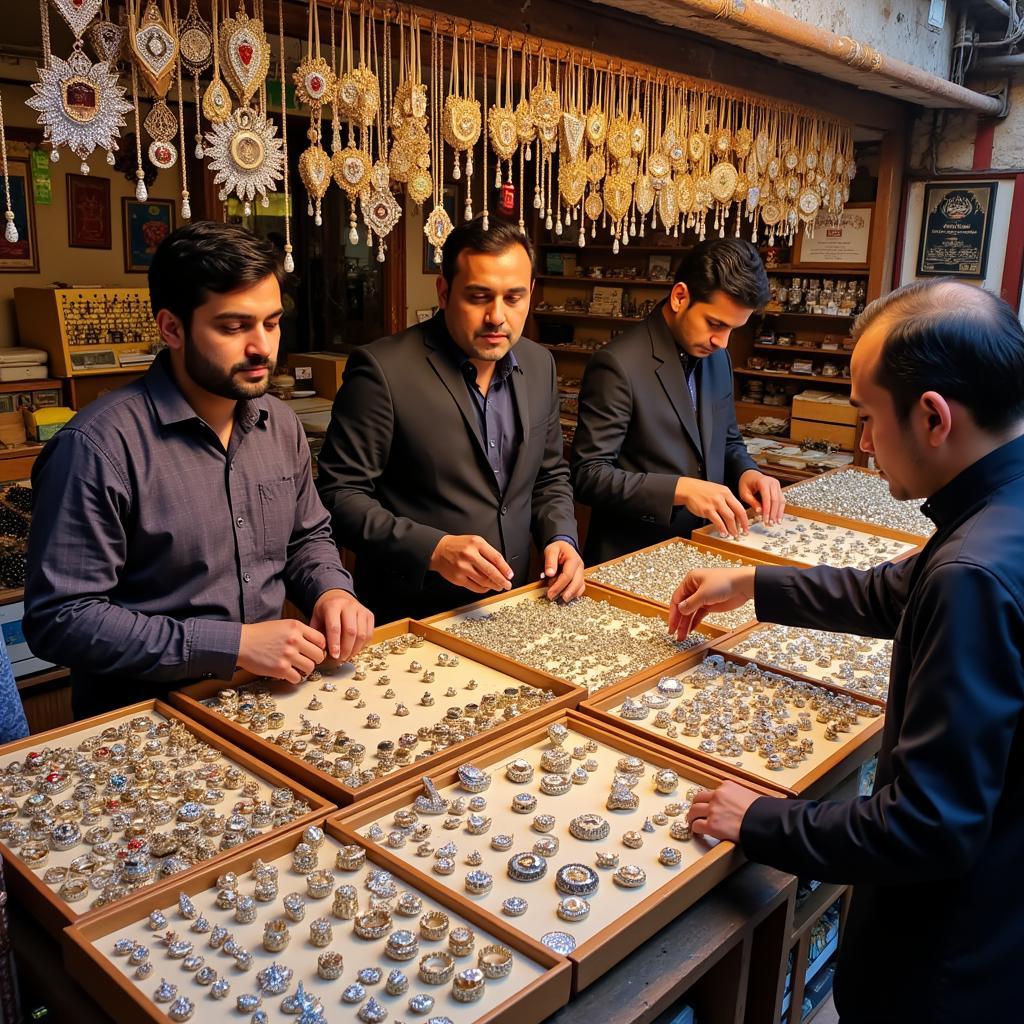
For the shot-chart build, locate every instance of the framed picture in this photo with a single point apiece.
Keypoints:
(23, 256)
(423, 315)
(450, 198)
(145, 226)
(839, 242)
(956, 228)
(88, 212)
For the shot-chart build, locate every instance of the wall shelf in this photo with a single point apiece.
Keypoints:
(803, 348)
(771, 375)
(645, 282)
(554, 314)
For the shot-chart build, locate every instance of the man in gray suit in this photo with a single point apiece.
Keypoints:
(657, 452)
(444, 452)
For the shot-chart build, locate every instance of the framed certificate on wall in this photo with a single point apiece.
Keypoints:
(956, 228)
(839, 241)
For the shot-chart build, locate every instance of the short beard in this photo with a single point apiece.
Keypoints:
(212, 378)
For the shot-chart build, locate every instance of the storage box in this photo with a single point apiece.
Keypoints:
(42, 424)
(462, 663)
(12, 429)
(823, 767)
(321, 371)
(43, 900)
(818, 430)
(620, 919)
(824, 408)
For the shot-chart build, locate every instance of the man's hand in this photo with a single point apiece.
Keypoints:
(719, 813)
(345, 623)
(708, 590)
(713, 502)
(469, 561)
(282, 649)
(764, 493)
(564, 568)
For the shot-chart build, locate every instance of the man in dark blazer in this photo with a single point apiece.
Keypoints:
(444, 452)
(657, 452)
(935, 931)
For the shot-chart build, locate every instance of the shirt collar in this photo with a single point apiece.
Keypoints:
(502, 370)
(172, 407)
(977, 481)
(664, 335)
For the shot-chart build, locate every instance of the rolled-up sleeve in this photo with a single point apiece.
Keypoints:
(77, 549)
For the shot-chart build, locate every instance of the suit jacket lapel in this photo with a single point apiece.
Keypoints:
(670, 373)
(451, 377)
(706, 388)
(520, 392)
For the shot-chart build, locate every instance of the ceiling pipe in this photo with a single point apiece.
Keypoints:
(784, 28)
(1008, 62)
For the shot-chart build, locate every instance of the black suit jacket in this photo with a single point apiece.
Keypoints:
(403, 464)
(935, 931)
(637, 434)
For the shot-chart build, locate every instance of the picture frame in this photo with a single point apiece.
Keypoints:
(956, 229)
(23, 256)
(450, 199)
(840, 242)
(423, 315)
(88, 212)
(144, 226)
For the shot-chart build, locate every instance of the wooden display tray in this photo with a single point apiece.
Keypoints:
(643, 911)
(854, 524)
(130, 1003)
(727, 644)
(53, 914)
(535, 591)
(709, 535)
(189, 699)
(807, 780)
(706, 627)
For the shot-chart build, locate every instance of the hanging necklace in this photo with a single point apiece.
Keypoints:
(314, 83)
(10, 228)
(244, 150)
(381, 211)
(80, 104)
(195, 53)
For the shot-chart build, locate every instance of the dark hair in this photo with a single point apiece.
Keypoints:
(207, 257)
(957, 339)
(731, 265)
(498, 237)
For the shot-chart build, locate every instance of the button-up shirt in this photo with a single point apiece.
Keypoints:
(496, 410)
(151, 544)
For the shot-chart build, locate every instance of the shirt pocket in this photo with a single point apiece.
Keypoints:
(277, 512)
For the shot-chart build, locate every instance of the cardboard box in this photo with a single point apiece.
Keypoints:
(824, 408)
(321, 371)
(815, 430)
(42, 424)
(12, 429)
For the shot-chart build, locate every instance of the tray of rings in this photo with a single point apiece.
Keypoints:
(859, 664)
(413, 697)
(758, 724)
(653, 573)
(802, 541)
(602, 639)
(109, 806)
(310, 925)
(570, 831)
(858, 497)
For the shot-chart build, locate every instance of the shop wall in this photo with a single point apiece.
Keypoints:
(57, 261)
(899, 28)
(420, 288)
